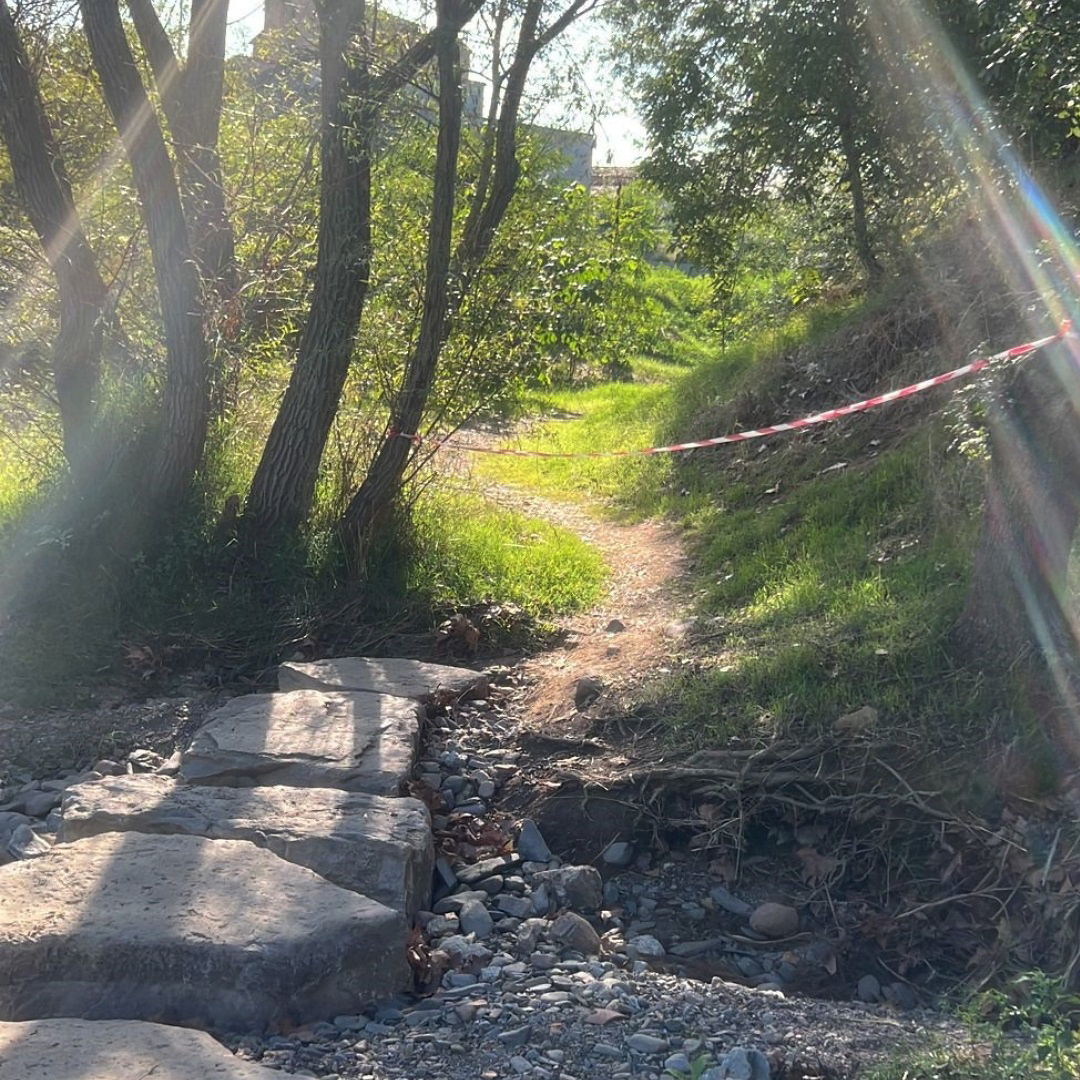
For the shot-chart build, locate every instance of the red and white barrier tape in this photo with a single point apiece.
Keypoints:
(759, 433)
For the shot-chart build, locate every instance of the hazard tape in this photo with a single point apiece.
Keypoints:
(1015, 353)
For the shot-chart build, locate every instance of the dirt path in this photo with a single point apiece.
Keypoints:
(630, 632)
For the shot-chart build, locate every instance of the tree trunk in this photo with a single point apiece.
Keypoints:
(864, 247)
(191, 96)
(45, 189)
(179, 450)
(1018, 604)
(284, 485)
(376, 494)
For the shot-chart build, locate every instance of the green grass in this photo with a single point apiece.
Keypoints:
(839, 595)
(603, 418)
(467, 551)
(1025, 1032)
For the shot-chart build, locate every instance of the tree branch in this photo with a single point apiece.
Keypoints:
(420, 54)
(159, 51)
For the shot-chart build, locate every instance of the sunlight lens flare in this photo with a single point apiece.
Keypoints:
(1039, 254)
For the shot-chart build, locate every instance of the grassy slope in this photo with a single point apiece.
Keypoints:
(830, 565)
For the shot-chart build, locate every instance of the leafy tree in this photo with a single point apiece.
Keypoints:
(746, 100)
(1027, 57)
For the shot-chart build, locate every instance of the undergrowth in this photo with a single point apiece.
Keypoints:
(468, 551)
(1025, 1032)
(195, 605)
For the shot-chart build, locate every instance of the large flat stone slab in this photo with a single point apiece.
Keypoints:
(306, 738)
(366, 843)
(217, 934)
(116, 1050)
(403, 678)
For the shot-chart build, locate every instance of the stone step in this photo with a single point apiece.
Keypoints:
(366, 843)
(402, 678)
(69, 1049)
(305, 738)
(217, 934)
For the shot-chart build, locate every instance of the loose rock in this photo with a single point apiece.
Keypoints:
(740, 1064)
(586, 690)
(475, 919)
(619, 854)
(576, 887)
(531, 845)
(645, 947)
(775, 920)
(26, 844)
(572, 930)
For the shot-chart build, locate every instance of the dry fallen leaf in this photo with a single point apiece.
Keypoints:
(817, 867)
(603, 1016)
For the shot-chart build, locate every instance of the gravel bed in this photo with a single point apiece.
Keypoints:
(530, 968)
(588, 1018)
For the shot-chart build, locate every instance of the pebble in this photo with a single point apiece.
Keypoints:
(517, 906)
(648, 1044)
(474, 918)
(586, 690)
(491, 886)
(740, 1064)
(775, 920)
(603, 1049)
(470, 875)
(645, 946)
(26, 844)
(577, 887)
(869, 989)
(518, 1036)
(722, 898)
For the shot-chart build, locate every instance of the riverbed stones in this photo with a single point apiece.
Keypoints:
(217, 934)
(368, 844)
(399, 678)
(305, 738)
(66, 1049)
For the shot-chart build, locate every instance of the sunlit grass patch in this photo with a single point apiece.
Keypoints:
(839, 595)
(468, 551)
(600, 419)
